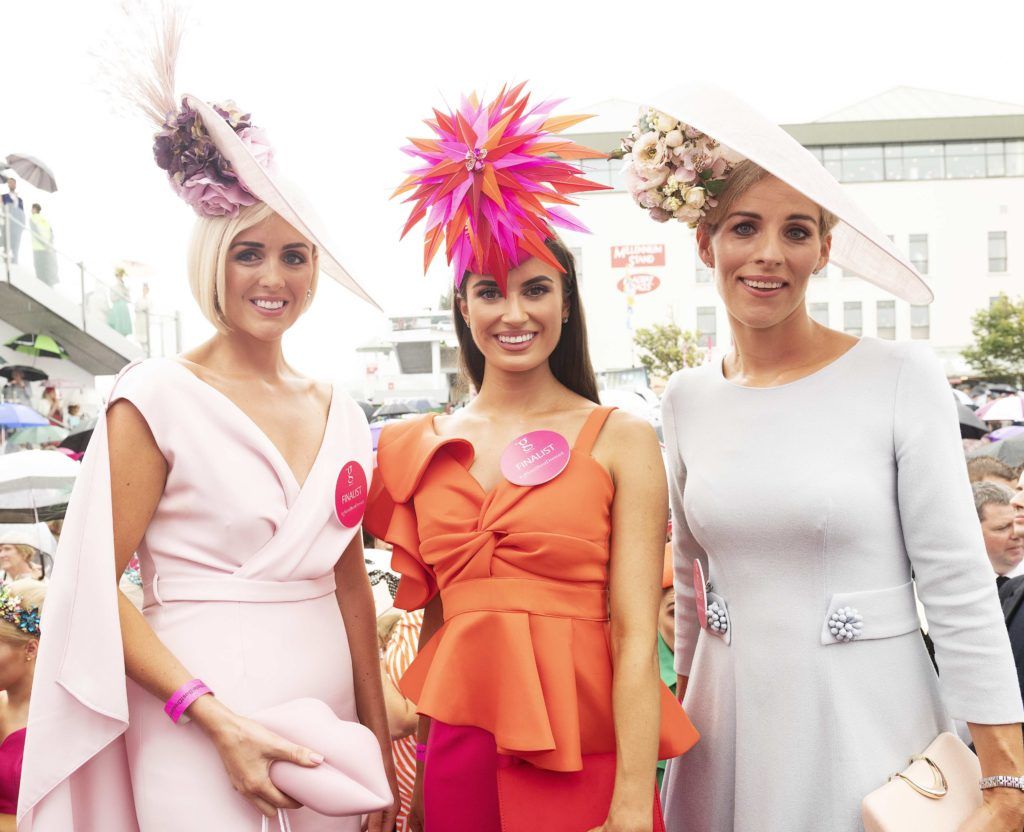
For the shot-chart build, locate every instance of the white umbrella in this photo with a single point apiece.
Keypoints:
(33, 470)
(34, 480)
(1006, 409)
(32, 171)
(962, 397)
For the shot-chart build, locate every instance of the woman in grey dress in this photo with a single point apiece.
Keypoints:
(813, 474)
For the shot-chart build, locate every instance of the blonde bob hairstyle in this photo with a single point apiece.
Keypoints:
(208, 255)
(743, 177)
(32, 594)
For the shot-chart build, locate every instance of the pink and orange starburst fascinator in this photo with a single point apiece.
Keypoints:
(493, 183)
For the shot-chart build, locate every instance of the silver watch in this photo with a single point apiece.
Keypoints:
(1001, 781)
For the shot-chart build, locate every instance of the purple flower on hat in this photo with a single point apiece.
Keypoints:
(197, 170)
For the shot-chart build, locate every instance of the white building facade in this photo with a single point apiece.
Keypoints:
(943, 175)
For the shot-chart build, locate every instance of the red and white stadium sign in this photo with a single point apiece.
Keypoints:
(639, 284)
(641, 255)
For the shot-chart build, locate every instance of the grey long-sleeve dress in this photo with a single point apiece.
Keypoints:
(802, 500)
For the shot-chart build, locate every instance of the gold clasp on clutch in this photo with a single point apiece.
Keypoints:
(939, 789)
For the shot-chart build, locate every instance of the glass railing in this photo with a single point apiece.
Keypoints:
(92, 302)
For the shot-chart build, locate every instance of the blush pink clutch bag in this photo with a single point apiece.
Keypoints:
(350, 781)
(937, 792)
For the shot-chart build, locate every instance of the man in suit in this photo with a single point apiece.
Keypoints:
(14, 206)
(1005, 549)
(1011, 590)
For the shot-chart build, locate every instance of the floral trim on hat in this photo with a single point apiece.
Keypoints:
(197, 170)
(673, 170)
(25, 619)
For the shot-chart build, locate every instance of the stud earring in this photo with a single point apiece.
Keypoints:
(309, 294)
(565, 320)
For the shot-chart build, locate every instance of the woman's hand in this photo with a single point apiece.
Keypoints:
(1002, 811)
(247, 749)
(385, 819)
(635, 820)
(416, 805)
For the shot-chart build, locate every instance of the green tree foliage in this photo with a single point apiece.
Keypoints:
(998, 349)
(665, 348)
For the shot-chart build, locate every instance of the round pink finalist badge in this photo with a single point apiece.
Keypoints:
(535, 457)
(350, 494)
(700, 593)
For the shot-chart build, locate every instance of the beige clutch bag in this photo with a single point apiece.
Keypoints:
(937, 791)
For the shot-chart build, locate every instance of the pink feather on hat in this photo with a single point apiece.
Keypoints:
(491, 187)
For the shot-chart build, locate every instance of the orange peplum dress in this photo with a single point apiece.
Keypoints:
(524, 652)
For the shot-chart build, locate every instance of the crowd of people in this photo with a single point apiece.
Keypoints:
(518, 649)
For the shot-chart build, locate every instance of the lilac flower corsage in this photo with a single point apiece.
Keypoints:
(197, 170)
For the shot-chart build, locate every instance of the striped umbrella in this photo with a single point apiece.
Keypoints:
(31, 343)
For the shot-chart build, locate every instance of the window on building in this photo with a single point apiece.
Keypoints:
(920, 323)
(886, 311)
(449, 359)
(577, 256)
(997, 259)
(965, 160)
(922, 161)
(1014, 158)
(703, 273)
(862, 163)
(819, 312)
(919, 252)
(415, 357)
(707, 324)
(995, 158)
(853, 318)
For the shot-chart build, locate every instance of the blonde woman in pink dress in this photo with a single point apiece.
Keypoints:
(220, 469)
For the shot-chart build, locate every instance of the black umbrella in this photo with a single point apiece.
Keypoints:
(27, 373)
(1009, 451)
(78, 439)
(393, 409)
(971, 427)
(32, 171)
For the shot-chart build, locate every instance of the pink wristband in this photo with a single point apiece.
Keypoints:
(421, 751)
(183, 697)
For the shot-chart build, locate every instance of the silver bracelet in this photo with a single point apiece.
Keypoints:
(1001, 781)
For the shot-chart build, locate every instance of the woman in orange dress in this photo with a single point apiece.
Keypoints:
(530, 524)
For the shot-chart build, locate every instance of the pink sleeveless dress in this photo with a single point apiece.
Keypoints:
(237, 567)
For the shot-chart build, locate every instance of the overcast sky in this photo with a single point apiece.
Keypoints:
(339, 86)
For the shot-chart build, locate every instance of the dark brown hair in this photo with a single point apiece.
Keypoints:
(570, 360)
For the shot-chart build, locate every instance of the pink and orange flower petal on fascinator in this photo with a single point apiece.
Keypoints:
(493, 183)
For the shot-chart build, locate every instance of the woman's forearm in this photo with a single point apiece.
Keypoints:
(402, 717)
(147, 660)
(360, 626)
(637, 716)
(1000, 748)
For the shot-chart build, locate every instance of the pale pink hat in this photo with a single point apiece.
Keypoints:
(857, 244)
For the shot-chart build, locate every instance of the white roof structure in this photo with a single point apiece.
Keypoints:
(902, 103)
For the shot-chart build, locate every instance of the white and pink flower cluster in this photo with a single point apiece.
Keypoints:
(673, 170)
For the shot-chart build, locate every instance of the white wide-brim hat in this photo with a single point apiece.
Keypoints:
(271, 187)
(857, 245)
